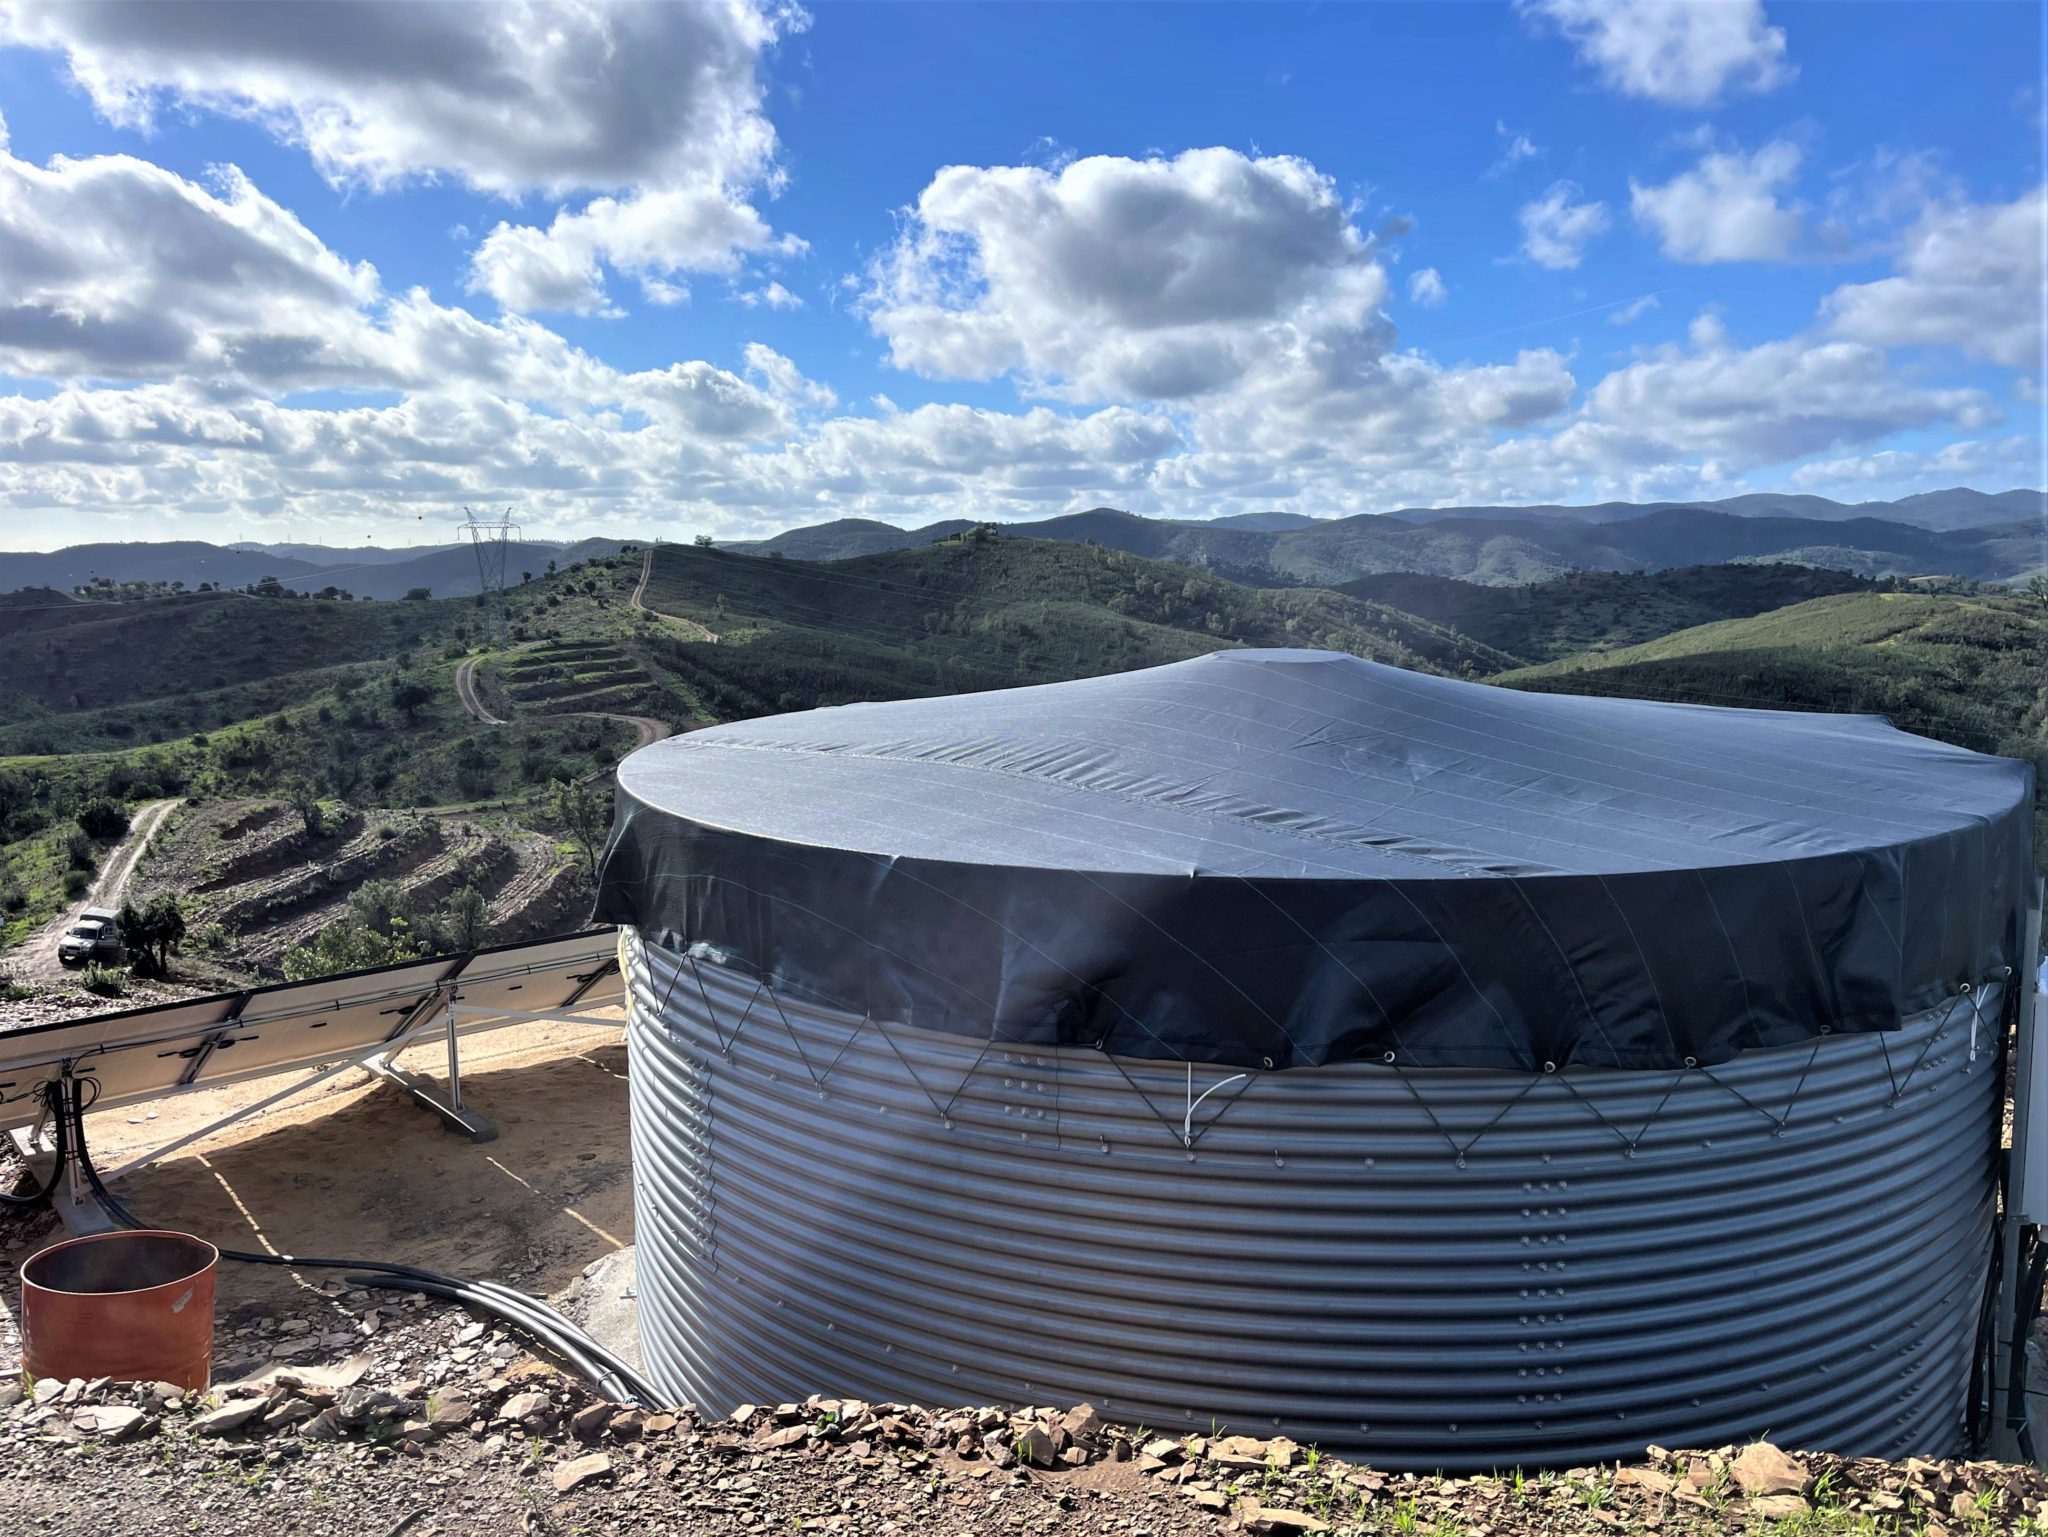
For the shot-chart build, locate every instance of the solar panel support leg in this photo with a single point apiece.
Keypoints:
(428, 1095)
(81, 1215)
(2026, 1186)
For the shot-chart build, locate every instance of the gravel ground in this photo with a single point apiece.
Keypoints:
(415, 1419)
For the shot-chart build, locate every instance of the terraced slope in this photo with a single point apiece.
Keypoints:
(981, 611)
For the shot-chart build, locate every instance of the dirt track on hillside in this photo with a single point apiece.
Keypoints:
(37, 959)
(646, 729)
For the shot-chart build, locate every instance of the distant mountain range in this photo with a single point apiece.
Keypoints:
(1515, 544)
(1956, 508)
(446, 571)
(1958, 532)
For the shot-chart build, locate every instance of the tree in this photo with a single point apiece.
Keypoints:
(103, 819)
(417, 594)
(467, 917)
(2037, 587)
(583, 812)
(350, 946)
(305, 800)
(408, 694)
(703, 541)
(152, 933)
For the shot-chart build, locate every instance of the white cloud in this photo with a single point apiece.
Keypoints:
(1121, 279)
(1766, 404)
(1629, 313)
(115, 267)
(1555, 229)
(1427, 289)
(654, 236)
(1969, 277)
(1725, 209)
(181, 321)
(1684, 53)
(770, 296)
(1515, 148)
(656, 107)
(1992, 465)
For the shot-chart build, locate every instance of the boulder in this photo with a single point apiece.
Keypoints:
(1762, 1469)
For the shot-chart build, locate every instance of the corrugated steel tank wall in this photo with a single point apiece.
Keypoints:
(1434, 1269)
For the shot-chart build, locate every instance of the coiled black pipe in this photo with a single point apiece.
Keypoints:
(607, 1372)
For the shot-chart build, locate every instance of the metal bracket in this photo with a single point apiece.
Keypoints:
(428, 1096)
(81, 1215)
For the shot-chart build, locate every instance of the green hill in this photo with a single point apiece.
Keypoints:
(979, 611)
(66, 656)
(1968, 669)
(1600, 610)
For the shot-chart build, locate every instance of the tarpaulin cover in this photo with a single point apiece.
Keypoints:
(1280, 858)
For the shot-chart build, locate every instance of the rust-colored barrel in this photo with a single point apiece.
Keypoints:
(137, 1307)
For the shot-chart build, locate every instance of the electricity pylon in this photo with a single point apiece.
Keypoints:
(492, 539)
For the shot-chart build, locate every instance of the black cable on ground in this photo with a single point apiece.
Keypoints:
(606, 1371)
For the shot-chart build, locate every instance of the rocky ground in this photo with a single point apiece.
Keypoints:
(360, 1413)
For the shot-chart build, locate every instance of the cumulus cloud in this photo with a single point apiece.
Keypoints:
(114, 267)
(1969, 277)
(1120, 279)
(1427, 289)
(1725, 209)
(1989, 463)
(1684, 53)
(1208, 333)
(1555, 229)
(1770, 403)
(655, 108)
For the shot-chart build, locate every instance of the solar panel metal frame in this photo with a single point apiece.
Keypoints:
(203, 1043)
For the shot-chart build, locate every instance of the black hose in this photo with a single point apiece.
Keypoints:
(606, 1371)
(51, 1094)
(615, 1383)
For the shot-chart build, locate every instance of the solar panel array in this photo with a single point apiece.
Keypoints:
(145, 1054)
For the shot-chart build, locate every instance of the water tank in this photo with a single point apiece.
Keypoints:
(1457, 1077)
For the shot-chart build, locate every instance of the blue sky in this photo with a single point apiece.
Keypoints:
(315, 272)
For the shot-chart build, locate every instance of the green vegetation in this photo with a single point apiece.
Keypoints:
(1601, 610)
(1970, 669)
(296, 728)
(385, 924)
(32, 872)
(1967, 669)
(981, 611)
(585, 813)
(152, 933)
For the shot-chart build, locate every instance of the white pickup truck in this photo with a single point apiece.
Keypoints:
(96, 936)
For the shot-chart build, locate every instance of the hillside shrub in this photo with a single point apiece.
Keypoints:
(152, 933)
(104, 981)
(83, 853)
(103, 819)
(76, 884)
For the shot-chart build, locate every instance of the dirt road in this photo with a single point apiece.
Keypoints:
(646, 728)
(37, 958)
(698, 632)
(465, 689)
(640, 587)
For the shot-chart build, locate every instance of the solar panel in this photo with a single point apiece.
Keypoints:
(144, 1054)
